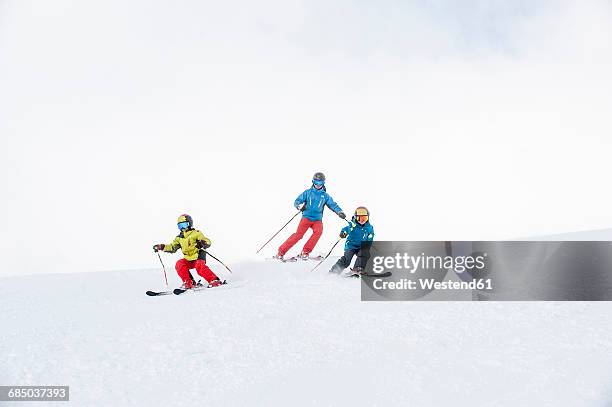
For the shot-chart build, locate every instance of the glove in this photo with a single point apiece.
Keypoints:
(201, 244)
(342, 215)
(301, 208)
(159, 247)
(343, 234)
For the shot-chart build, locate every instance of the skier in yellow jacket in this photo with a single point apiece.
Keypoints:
(192, 243)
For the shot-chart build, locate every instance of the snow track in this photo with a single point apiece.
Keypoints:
(287, 337)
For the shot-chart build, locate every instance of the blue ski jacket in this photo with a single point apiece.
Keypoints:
(315, 200)
(358, 234)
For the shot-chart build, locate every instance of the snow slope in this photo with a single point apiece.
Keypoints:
(283, 336)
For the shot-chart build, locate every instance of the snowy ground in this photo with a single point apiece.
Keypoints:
(286, 337)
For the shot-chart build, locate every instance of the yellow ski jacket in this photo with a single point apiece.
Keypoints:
(191, 242)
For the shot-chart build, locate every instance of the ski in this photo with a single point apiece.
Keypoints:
(314, 258)
(296, 258)
(179, 291)
(380, 275)
(369, 275)
(287, 260)
(156, 293)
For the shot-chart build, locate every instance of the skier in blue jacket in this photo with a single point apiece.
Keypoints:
(311, 202)
(359, 236)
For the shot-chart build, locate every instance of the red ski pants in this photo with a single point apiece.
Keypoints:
(183, 266)
(305, 224)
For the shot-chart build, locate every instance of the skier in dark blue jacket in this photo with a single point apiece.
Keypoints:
(359, 236)
(311, 202)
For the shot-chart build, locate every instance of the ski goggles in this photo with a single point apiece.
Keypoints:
(361, 218)
(361, 215)
(182, 225)
(318, 182)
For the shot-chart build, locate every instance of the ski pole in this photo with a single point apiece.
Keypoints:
(284, 226)
(163, 268)
(208, 253)
(325, 258)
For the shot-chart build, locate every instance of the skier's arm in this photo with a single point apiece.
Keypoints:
(300, 200)
(334, 206)
(203, 241)
(345, 231)
(173, 246)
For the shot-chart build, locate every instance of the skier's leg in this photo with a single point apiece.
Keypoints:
(343, 262)
(205, 271)
(182, 268)
(363, 255)
(294, 238)
(317, 231)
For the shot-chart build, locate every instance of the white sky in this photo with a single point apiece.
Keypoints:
(449, 120)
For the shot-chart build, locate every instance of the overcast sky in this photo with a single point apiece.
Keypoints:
(449, 120)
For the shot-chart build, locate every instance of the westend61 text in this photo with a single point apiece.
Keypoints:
(431, 284)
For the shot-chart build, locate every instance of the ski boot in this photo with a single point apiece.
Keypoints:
(304, 256)
(187, 285)
(279, 256)
(355, 272)
(216, 283)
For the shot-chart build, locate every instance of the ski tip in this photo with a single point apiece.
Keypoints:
(158, 293)
(178, 291)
